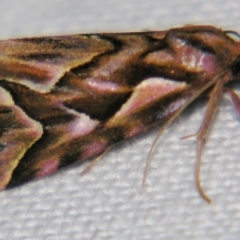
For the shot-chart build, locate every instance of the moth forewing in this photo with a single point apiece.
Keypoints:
(65, 99)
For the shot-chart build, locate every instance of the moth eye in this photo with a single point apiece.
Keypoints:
(236, 69)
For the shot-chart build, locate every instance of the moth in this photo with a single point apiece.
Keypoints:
(65, 99)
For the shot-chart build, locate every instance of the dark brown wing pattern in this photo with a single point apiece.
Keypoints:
(65, 99)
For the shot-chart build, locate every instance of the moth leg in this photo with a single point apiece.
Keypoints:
(207, 120)
(189, 136)
(212, 105)
(163, 127)
(235, 99)
(94, 162)
(217, 82)
(149, 156)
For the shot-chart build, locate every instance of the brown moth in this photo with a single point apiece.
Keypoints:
(65, 99)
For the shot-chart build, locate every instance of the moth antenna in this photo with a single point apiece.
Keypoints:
(149, 156)
(170, 120)
(94, 162)
(189, 136)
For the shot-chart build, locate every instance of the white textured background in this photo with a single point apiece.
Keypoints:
(109, 202)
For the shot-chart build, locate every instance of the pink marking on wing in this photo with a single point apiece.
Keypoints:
(194, 59)
(161, 57)
(49, 167)
(37, 76)
(52, 75)
(81, 126)
(185, 56)
(94, 148)
(102, 85)
(136, 129)
(177, 104)
(149, 91)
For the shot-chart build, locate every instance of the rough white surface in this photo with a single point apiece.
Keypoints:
(109, 202)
